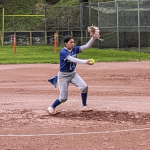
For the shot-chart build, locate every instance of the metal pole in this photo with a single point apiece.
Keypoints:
(58, 25)
(58, 17)
(90, 14)
(68, 22)
(3, 28)
(115, 3)
(139, 41)
(81, 21)
(98, 19)
(45, 28)
(117, 25)
(14, 37)
(14, 24)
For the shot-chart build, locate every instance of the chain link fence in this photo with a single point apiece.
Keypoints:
(123, 24)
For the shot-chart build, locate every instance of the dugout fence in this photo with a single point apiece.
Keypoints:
(40, 37)
(123, 24)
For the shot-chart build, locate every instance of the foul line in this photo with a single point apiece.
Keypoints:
(64, 134)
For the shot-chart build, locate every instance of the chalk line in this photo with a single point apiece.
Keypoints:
(65, 134)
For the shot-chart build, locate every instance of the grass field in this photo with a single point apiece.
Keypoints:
(45, 54)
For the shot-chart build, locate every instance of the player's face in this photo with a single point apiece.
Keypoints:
(70, 44)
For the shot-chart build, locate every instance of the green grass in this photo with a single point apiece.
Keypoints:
(28, 55)
(45, 54)
(113, 55)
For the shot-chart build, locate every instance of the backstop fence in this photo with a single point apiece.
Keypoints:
(122, 24)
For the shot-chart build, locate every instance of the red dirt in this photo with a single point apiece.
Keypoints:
(119, 94)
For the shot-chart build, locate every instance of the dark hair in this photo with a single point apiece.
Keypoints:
(67, 38)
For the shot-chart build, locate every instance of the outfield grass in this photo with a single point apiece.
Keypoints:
(45, 54)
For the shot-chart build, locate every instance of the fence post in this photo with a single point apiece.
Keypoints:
(55, 41)
(14, 35)
(3, 28)
(98, 19)
(71, 33)
(14, 42)
(1, 36)
(68, 22)
(81, 21)
(30, 38)
(117, 25)
(45, 28)
(139, 40)
(90, 14)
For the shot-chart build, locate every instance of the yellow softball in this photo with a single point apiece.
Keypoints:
(92, 61)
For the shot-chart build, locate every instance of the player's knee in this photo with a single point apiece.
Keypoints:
(63, 96)
(85, 89)
(63, 100)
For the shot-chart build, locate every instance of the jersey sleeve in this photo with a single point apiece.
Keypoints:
(63, 55)
(77, 49)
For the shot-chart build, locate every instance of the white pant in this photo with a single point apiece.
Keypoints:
(64, 78)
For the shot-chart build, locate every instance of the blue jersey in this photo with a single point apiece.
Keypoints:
(65, 65)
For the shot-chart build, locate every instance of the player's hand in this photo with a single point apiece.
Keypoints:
(89, 62)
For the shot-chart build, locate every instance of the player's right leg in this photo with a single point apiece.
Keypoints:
(51, 109)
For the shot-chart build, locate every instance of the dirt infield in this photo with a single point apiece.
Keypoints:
(119, 94)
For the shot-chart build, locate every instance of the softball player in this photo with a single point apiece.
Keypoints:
(67, 74)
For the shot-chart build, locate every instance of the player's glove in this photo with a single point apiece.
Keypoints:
(94, 32)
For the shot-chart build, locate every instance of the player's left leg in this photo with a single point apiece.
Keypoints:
(79, 82)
